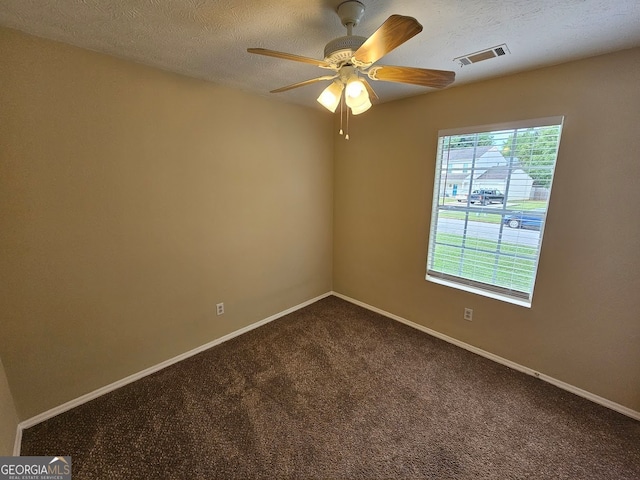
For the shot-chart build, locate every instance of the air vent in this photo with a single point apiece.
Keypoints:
(497, 51)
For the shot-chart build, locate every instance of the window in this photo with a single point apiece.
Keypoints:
(486, 236)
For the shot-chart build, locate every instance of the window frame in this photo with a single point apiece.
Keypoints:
(509, 295)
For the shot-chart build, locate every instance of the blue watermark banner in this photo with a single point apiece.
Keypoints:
(35, 468)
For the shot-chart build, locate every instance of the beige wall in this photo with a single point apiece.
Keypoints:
(8, 417)
(133, 200)
(584, 326)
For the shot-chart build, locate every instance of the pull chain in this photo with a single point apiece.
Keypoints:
(346, 137)
(341, 112)
(344, 111)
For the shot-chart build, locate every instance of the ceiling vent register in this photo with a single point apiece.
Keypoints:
(497, 51)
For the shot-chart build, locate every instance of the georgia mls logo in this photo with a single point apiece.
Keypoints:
(62, 467)
(35, 468)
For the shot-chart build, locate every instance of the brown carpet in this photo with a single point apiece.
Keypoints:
(336, 391)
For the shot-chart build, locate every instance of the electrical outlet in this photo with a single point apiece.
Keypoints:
(468, 314)
(219, 308)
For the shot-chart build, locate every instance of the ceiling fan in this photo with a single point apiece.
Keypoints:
(351, 58)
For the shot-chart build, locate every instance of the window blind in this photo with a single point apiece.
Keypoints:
(490, 202)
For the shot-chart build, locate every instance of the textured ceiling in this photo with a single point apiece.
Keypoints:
(208, 38)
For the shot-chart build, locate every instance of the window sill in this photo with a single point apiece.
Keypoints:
(479, 291)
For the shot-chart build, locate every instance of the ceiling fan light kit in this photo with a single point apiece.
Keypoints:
(351, 58)
(356, 96)
(354, 87)
(360, 107)
(330, 96)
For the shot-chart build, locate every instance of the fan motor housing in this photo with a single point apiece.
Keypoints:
(342, 49)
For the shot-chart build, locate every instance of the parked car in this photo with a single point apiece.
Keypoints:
(485, 197)
(462, 197)
(527, 219)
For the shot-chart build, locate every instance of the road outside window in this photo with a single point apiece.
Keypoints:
(491, 197)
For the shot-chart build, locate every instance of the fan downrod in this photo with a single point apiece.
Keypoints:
(340, 50)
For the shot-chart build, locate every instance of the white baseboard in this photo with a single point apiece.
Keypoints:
(17, 442)
(136, 376)
(148, 371)
(483, 353)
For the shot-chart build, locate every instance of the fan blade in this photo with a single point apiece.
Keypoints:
(391, 34)
(370, 91)
(289, 56)
(416, 76)
(302, 84)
